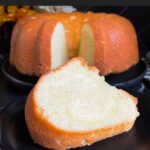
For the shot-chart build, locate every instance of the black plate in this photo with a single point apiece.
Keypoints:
(122, 80)
(128, 78)
(14, 134)
(16, 78)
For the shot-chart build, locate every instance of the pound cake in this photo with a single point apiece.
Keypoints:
(72, 106)
(109, 43)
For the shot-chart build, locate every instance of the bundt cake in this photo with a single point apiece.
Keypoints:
(63, 111)
(109, 45)
(37, 44)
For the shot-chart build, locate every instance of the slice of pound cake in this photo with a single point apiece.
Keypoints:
(72, 106)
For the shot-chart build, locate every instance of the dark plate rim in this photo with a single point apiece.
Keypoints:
(25, 84)
(2, 115)
(12, 79)
(133, 81)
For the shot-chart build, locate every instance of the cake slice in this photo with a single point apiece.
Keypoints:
(72, 106)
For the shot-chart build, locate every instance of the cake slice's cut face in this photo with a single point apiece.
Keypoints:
(87, 46)
(78, 99)
(59, 52)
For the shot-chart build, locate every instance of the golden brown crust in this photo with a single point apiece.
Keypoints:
(49, 136)
(14, 39)
(116, 47)
(15, 34)
(43, 47)
(25, 47)
(111, 32)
